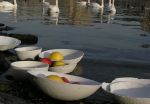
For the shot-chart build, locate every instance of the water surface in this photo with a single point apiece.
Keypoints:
(100, 36)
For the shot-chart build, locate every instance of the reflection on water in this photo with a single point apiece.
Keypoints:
(76, 12)
(146, 17)
(33, 7)
(52, 11)
(104, 29)
(12, 11)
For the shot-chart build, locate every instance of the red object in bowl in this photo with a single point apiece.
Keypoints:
(47, 61)
(65, 80)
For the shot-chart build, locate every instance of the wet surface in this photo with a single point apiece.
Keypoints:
(114, 46)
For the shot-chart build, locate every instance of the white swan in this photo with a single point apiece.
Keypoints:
(54, 17)
(83, 3)
(111, 7)
(112, 12)
(54, 8)
(45, 4)
(7, 10)
(6, 4)
(97, 5)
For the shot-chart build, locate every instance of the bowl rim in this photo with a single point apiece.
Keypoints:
(115, 94)
(13, 64)
(40, 55)
(64, 74)
(36, 48)
(18, 41)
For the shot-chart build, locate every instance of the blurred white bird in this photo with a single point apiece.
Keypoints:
(6, 4)
(111, 7)
(96, 5)
(111, 12)
(83, 3)
(45, 4)
(54, 8)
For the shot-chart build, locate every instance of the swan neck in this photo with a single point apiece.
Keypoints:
(43, 1)
(57, 3)
(15, 3)
(113, 2)
(88, 1)
(102, 3)
(109, 3)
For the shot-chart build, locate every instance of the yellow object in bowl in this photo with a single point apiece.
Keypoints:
(58, 63)
(55, 78)
(56, 56)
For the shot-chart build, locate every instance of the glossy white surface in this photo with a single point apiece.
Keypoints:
(29, 52)
(63, 69)
(129, 90)
(19, 68)
(65, 91)
(70, 55)
(8, 43)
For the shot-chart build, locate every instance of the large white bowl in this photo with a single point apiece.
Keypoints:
(63, 69)
(70, 55)
(19, 68)
(65, 91)
(129, 92)
(122, 79)
(8, 43)
(29, 52)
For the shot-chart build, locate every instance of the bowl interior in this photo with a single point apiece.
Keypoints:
(124, 79)
(9, 41)
(67, 53)
(131, 89)
(28, 64)
(82, 81)
(67, 68)
(64, 66)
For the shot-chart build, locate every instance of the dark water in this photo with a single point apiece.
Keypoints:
(124, 37)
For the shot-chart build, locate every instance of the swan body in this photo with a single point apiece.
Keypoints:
(112, 12)
(5, 4)
(83, 3)
(96, 7)
(54, 17)
(111, 7)
(6, 10)
(54, 8)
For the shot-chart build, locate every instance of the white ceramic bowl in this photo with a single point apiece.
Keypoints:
(129, 92)
(65, 91)
(67, 68)
(121, 79)
(19, 68)
(29, 52)
(70, 55)
(8, 43)
(106, 89)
